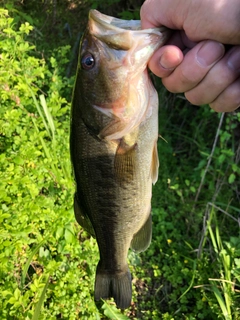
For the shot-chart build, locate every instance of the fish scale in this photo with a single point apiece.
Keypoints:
(113, 144)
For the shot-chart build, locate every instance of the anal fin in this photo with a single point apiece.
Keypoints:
(142, 239)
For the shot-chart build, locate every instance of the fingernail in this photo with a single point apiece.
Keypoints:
(234, 60)
(209, 53)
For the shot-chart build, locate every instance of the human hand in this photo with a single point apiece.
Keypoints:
(200, 68)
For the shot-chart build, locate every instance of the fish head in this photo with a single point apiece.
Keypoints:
(113, 57)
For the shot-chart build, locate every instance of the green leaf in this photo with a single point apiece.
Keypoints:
(231, 178)
(193, 189)
(59, 232)
(69, 236)
(18, 160)
(112, 312)
(17, 294)
(187, 182)
(25, 28)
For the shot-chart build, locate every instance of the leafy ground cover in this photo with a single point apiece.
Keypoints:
(192, 268)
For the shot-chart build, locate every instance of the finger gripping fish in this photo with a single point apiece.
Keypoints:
(114, 132)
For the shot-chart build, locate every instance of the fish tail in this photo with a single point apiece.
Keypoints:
(117, 285)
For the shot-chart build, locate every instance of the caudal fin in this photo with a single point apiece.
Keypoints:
(117, 286)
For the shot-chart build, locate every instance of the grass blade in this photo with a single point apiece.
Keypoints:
(192, 280)
(39, 304)
(48, 115)
(47, 154)
(27, 264)
(39, 111)
(221, 303)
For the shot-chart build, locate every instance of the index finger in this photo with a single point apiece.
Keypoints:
(147, 18)
(157, 13)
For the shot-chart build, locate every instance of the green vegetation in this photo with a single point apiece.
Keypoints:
(192, 268)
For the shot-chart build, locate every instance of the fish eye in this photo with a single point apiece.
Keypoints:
(87, 61)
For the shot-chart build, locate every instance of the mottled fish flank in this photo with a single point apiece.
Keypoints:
(114, 132)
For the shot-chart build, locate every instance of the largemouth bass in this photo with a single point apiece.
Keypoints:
(114, 132)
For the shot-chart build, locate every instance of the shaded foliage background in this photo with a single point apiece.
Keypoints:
(47, 261)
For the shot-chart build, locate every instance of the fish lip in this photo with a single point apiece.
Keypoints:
(119, 34)
(119, 25)
(114, 23)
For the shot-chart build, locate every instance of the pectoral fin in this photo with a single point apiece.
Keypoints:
(142, 239)
(125, 161)
(82, 218)
(155, 164)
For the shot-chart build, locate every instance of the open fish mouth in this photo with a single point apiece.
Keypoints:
(125, 45)
(103, 27)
